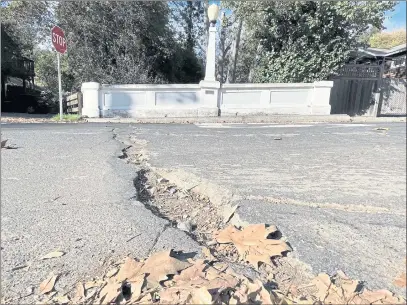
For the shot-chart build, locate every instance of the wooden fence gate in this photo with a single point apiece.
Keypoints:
(393, 97)
(73, 103)
(356, 90)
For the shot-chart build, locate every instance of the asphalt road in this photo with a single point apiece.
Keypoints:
(63, 188)
(337, 191)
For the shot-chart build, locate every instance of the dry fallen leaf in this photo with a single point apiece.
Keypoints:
(208, 254)
(53, 254)
(92, 284)
(131, 268)
(201, 296)
(80, 293)
(110, 292)
(61, 299)
(253, 244)
(376, 297)
(136, 285)
(48, 284)
(160, 265)
(111, 272)
(176, 295)
(400, 281)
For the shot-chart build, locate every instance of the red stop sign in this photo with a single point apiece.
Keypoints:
(58, 39)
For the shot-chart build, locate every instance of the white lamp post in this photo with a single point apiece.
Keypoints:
(213, 12)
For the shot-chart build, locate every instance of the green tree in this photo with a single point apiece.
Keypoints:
(304, 41)
(28, 22)
(46, 71)
(122, 42)
(387, 40)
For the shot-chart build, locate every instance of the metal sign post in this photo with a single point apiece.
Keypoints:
(61, 108)
(59, 42)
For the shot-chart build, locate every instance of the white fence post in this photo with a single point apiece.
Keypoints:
(91, 99)
(322, 93)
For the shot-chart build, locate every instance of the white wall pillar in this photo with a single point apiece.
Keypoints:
(91, 99)
(322, 93)
(210, 70)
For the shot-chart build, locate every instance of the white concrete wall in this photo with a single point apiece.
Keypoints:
(291, 98)
(205, 99)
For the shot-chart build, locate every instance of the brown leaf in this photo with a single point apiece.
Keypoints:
(3, 143)
(160, 265)
(376, 297)
(322, 283)
(61, 299)
(110, 292)
(258, 293)
(48, 284)
(53, 255)
(253, 244)
(176, 295)
(348, 285)
(131, 268)
(80, 293)
(111, 272)
(340, 292)
(92, 284)
(137, 284)
(400, 281)
(208, 254)
(191, 273)
(201, 296)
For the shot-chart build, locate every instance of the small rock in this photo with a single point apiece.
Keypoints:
(211, 243)
(162, 180)
(29, 291)
(185, 226)
(152, 190)
(172, 190)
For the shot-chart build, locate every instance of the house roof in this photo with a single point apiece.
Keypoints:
(376, 52)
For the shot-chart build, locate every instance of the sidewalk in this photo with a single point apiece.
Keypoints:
(277, 119)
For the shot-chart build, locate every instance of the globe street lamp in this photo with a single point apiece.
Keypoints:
(213, 13)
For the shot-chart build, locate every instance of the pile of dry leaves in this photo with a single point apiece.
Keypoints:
(171, 277)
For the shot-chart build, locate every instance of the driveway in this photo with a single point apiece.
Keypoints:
(337, 191)
(63, 188)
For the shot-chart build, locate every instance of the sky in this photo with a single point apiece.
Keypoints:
(396, 19)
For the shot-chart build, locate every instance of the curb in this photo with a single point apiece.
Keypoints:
(277, 119)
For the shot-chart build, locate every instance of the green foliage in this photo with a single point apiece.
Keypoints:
(27, 22)
(46, 70)
(387, 40)
(124, 42)
(304, 41)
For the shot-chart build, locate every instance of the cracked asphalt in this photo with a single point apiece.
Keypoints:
(64, 188)
(336, 191)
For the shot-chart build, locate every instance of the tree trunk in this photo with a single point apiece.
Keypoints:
(236, 52)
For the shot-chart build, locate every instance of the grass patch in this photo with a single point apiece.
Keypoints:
(67, 117)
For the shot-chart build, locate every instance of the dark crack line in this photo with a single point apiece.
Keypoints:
(157, 238)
